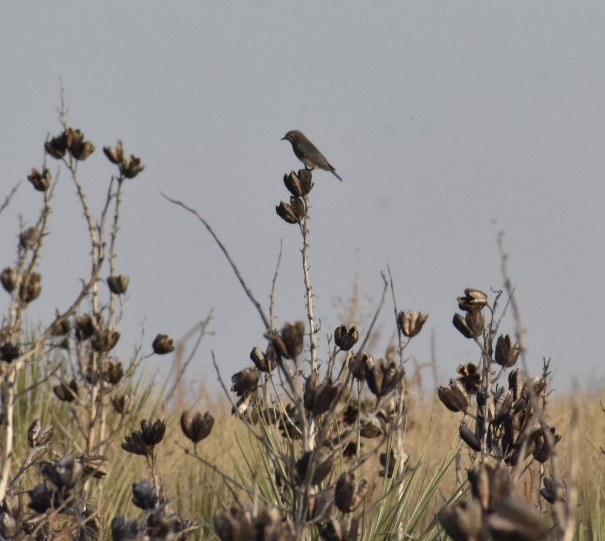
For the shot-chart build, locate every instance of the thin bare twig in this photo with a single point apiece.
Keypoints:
(238, 274)
(378, 309)
(10, 195)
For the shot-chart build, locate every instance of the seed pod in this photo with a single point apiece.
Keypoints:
(61, 329)
(469, 377)
(8, 277)
(319, 396)
(123, 529)
(289, 342)
(299, 184)
(383, 378)
(472, 300)
(264, 362)
(195, 426)
(115, 154)
(134, 444)
(349, 493)
(118, 285)
(144, 495)
(162, 344)
(40, 180)
(57, 146)
(104, 341)
(120, 403)
(132, 167)
(411, 323)
(29, 238)
(96, 466)
(360, 365)
(112, 372)
(471, 325)
(245, 381)
(9, 352)
(64, 474)
(37, 436)
(463, 521)
(507, 353)
(469, 437)
(30, 288)
(515, 519)
(321, 466)
(489, 484)
(79, 148)
(454, 396)
(345, 338)
(66, 392)
(152, 432)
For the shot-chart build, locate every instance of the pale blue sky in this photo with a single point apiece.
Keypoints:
(440, 116)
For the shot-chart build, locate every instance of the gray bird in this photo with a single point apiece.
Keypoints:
(308, 153)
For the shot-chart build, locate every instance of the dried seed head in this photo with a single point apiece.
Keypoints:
(29, 238)
(195, 426)
(30, 288)
(118, 285)
(389, 464)
(123, 529)
(40, 180)
(152, 432)
(316, 464)
(134, 444)
(411, 323)
(489, 484)
(463, 521)
(61, 329)
(96, 466)
(469, 377)
(245, 381)
(132, 167)
(292, 213)
(66, 392)
(115, 154)
(64, 474)
(8, 277)
(469, 437)
(144, 495)
(289, 342)
(57, 146)
(371, 426)
(470, 325)
(383, 378)
(542, 449)
(105, 340)
(9, 352)
(78, 147)
(319, 396)
(41, 498)
(515, 519)
(349, 493)
(112, 372)
(472, 300)
(552, 491)
(299, 184)
(507, 353)
(360, 365)
(162, 344)
(87, 325)
(503, 405)
(37, 436)
(454, 396)
(345, 338)
(121, 402)
(264, 362)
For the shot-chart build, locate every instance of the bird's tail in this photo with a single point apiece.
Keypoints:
(336, 175)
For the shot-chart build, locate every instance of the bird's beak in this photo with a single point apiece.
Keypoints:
(283, 138)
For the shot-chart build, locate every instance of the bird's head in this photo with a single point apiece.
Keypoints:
(293, 136)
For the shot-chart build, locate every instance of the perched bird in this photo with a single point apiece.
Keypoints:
(308, 153)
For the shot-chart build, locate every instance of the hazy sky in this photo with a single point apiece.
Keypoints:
(440, 117)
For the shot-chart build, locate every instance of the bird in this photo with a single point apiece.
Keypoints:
(308, 153)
